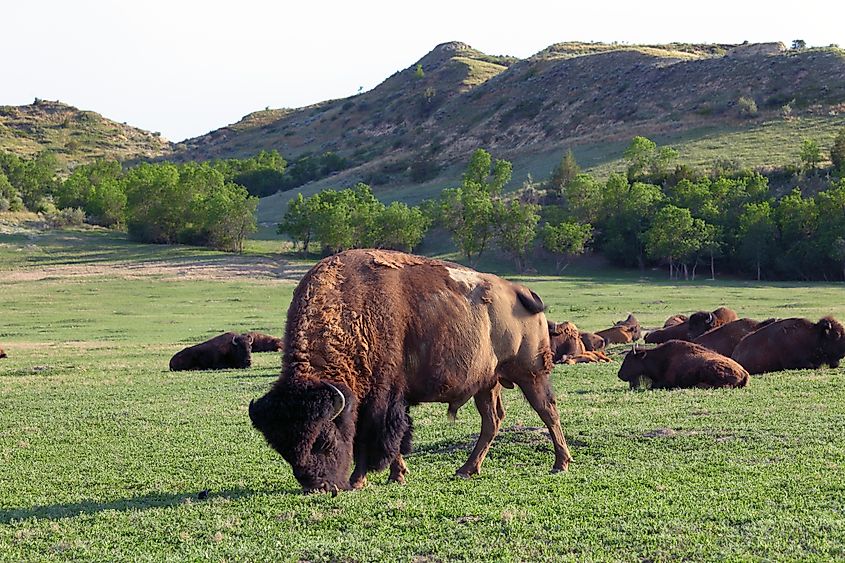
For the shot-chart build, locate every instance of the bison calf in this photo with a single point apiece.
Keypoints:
(592, 342)
(792, 344)
(228, 350)
(265, 343)
(682, 364)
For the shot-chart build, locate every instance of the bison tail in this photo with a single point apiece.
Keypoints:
(530, 300)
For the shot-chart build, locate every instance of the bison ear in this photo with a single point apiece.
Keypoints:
(554, 328)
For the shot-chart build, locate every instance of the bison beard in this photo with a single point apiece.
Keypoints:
(389, 330)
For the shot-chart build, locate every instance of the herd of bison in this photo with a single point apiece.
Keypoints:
(370, 333)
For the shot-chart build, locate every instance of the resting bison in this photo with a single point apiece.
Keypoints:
(565, 340)
(619, 334)
(792, 344)
(723, 339)
(633, 325)
(371, 332)
(675, 320)
(265, 342)
(702, 321)
(3, 353)
(228, 350)
(592, 342)
(682, 364)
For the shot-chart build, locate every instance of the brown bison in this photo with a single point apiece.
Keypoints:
(682, 364)
(265, 343)
(228, 350)
(568, 346)
(723, 339)
(370, 333)
(675, 320)
(679, 331)
(619, 334)
(702, 321)
(633, 325)
(792, 344)
(592, 341)
(3, 353)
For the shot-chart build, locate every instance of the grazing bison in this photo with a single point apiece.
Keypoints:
(675, 320)
(682, 364)
(370, 333)
(723, 339)
(792, 344)
(592, 342)
(702, 321)
(265, 342)
(619, 334)
(228, 350)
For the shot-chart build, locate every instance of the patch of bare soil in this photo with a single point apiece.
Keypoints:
(229, 268)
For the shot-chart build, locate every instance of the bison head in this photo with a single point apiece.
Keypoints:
(633, 367)
(242, 349)
(701, 322)
(2, 353)
(311, 425)
(832, 336)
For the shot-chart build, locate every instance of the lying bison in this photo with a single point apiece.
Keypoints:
(370, 333)
(702, 321)
(265, 343)
(675, 320)
(633, 326)
(619, 334)
(592, 341)
(3, 353)
(792, 344)
(723, 339)
(568, 346)
(228, 350)
(682, 364)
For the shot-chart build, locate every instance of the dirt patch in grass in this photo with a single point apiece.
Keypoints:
(220, 269)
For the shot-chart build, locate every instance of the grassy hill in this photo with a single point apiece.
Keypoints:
(76, 136)
(590, 97)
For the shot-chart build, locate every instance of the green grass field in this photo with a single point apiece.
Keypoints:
(103, 451)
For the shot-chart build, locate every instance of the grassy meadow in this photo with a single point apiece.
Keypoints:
(104, 453)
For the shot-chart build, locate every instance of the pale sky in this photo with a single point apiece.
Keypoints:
(186, 67)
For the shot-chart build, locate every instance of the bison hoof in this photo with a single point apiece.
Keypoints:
(358, 484)
(561, 468)
(465, 473)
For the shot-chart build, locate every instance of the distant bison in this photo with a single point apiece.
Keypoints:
(678, 331)
(372, 332)
(702, 321)
(592, 341)
(677, 363)
(792, 344)
(565, 340)
(619, 334)
(228, 350)
(568, 345)
(675, 320)
(265, 342)
(3, 353)
(633, 326)
(723, 339)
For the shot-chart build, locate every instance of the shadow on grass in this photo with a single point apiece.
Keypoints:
(71, 510)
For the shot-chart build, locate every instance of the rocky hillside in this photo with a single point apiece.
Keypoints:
(76, 136)
(591, 97)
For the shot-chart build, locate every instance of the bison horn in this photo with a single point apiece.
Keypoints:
(339, 402)
(233, 341)
(710, 318)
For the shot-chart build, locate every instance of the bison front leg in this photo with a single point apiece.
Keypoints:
(398, 470)
(489, 405)
(541, 398)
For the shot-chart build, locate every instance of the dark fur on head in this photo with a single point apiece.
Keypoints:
(832, 340)
(302, 423)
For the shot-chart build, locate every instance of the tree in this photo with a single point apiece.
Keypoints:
(747, 106)
(419, 73)
(837, 152)
(811, 154)
(627, 213)
(756, 233)
(644, 158)
(799, 44)
(565, 240)
(298, 222)
(582, 196)
(400, 227)
(564, 173)
(516, 228)
(674, 235)
(10, 199)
